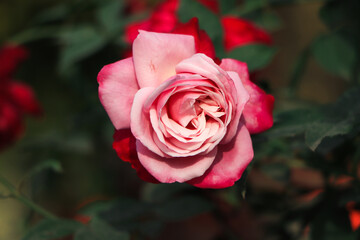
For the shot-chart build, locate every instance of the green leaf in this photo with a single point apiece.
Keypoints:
(341, 118)
(252, 6)
(256, 56)
(52, 229)
(208, 21)
(335, 54)
(36, 33)
(291, 123)
(96, 208)
(163, 192)
(52, 164)
(227, 6)
(267, 20)
(109, 16)
(100, 230)
(124, 210)
(58, 12)
(317, 131)
(79, 43)
(299, 70)
(183, 208)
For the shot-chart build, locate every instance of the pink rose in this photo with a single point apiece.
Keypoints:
(189, 117)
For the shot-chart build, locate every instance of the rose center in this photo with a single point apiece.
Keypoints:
(191, 108)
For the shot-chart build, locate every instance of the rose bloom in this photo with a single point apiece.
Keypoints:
(179, 115)
(237, 32)
(16, 99)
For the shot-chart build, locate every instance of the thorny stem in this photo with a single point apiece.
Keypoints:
(17, 195)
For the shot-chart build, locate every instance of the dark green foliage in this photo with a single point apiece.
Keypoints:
(52, 229)
(341, 118)
(256, 56)
(335, 54)
(99, 230)
(208, 21)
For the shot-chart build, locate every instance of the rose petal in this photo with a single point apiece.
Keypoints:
(243, 98)
(239, 32)
(206, 67)
(182, 108)
(140, 121)
(125, 147)
(117, 88)
(230, 162)
(157, 54)
(169, 170)
(258, 110)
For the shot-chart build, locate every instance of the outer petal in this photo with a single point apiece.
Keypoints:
(239, 32)
(230, 162)
(243, 98)
(125, 147)
(140, 121)
(169, 170)
(258, 111)
(23, 97)
(156, 55)
(117, 88)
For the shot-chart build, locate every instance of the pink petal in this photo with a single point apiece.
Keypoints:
(206, 67)
(258, 111)
(182, 107)
(141, 126)
(230, 162)
(243, 98)
(169, 170)
(117, 88)
(157, 54)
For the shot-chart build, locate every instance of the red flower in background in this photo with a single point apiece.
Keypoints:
(237, 32)
(163, 19)
(16, 99)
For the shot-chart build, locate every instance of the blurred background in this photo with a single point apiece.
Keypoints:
(302, 184)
